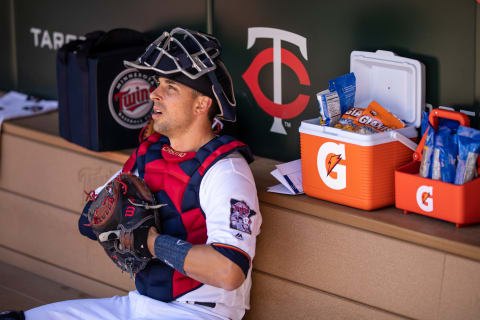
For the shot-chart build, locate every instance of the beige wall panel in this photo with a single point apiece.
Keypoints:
(27, 284)
(366, 267)
(461, 289)
(50, 174)
(51, 234)
(68, 278)
(277, 299)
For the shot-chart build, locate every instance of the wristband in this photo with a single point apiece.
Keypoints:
(172, 251)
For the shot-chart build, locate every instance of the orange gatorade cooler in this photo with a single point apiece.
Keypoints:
(459, 204)
(355, 169)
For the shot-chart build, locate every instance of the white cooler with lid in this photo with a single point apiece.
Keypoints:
(355, 169)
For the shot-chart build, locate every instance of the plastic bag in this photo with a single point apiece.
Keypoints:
(468, 150)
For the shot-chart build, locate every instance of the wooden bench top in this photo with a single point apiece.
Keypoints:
(391, 222)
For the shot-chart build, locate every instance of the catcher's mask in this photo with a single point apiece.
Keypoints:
(193, 59)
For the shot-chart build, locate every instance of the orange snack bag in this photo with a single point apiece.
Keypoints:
(351, 115)
(378, 119)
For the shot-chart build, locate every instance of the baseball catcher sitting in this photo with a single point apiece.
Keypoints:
(182, 215)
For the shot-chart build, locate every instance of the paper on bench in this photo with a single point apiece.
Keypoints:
(279, 188)
(15, 105)
(290, 176)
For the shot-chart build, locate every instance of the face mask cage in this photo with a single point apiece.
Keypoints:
(189, 52)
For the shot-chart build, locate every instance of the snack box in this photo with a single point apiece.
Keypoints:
(459, 204)
(358, 170)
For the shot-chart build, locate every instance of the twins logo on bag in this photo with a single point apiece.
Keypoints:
(332, 173)
(129, 98)
(425, 198)
(278, 56)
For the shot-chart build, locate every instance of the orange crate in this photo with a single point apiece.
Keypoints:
(459, 204)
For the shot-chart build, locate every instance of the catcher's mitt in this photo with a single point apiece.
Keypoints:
(120, 216)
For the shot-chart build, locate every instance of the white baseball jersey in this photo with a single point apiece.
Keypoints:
(228, 197)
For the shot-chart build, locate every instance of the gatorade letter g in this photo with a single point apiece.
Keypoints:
(334, 153)
(424, 198)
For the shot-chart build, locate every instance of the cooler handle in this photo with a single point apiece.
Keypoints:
(433, 119)
(404, 140)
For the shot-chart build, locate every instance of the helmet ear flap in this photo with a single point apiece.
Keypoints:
(222, 87)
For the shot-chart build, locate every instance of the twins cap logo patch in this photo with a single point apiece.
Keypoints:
(240, 216)
(129, 98)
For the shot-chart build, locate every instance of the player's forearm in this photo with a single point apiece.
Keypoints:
(199, 262)
(206, 265)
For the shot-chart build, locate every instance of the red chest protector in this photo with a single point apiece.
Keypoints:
(174, 178)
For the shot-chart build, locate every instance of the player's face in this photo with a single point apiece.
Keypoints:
(172, 107)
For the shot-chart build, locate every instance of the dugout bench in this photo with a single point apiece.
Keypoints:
(315, 259)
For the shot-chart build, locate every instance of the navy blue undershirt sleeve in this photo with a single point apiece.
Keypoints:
(238, 256)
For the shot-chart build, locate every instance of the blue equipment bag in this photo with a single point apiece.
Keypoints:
(103, 107)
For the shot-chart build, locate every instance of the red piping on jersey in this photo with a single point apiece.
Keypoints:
(222, 245)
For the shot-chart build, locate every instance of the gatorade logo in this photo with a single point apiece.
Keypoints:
(333, 160)
(332, 173)
(278, 56)
(425, 198)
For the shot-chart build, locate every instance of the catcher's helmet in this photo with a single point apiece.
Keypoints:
(193, 59)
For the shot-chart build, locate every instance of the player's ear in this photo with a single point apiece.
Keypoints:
(202, 104)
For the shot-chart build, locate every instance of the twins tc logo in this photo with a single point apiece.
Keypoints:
(425, 198)
(332, 173)
(278, 56)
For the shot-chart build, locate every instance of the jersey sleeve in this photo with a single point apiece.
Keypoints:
(228, 197)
